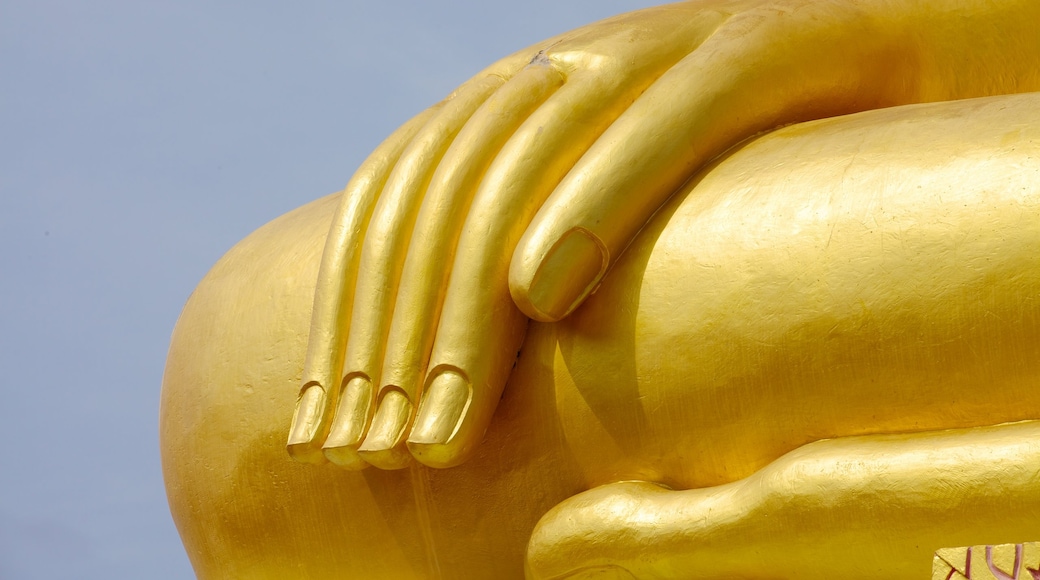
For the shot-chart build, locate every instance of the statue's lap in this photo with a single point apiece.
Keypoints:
(877, 273)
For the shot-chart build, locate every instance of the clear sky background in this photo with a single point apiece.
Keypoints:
(138, 142)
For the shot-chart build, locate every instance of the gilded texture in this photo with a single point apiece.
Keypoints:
(818, 359)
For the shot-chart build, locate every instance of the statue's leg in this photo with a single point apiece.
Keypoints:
(857, 507)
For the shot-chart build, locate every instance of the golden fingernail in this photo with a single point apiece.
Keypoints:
(352, 415)
(310, 410)
(389, 422)
(569, 273)
(442, 409)
(382, 446)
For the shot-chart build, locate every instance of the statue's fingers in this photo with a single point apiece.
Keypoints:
(334, 294)
(382, 257)
(626, 78)
(427, 265)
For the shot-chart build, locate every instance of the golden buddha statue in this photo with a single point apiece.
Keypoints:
(808, 352)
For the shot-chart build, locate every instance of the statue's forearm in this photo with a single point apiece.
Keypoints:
(852, 508)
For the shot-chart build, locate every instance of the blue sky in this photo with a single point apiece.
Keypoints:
(138, 142)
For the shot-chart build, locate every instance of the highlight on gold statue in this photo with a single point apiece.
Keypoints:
(717, 289)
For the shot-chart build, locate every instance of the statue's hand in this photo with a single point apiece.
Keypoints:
(562, 153)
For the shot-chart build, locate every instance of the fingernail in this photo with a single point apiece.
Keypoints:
(382, 446)
(569, 273)
(352, 415)
(442, 409)
(310, 410)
